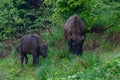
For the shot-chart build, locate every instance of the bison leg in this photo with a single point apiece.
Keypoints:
(81, 51)
(35, 59)
(70, 45)
(26, 59)
(22, 58)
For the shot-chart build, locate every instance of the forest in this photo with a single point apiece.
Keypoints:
(101, 50)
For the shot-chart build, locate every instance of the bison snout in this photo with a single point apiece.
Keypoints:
(44, 56)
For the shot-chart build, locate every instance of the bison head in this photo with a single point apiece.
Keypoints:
(78, 45)
(43, 50)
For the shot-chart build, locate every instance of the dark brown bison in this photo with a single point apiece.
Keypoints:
(32, 44)
(74, 32)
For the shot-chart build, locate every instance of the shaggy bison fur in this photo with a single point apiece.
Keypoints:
(74, 32)
(32, 44)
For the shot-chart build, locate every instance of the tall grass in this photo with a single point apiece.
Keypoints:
(61, 65)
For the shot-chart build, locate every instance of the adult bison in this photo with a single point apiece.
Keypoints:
(32, 44)
(74, 32)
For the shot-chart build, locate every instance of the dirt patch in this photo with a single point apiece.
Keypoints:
(102, 42)
(115, 38)
(6, 47)
(98, 30)
(92, 44)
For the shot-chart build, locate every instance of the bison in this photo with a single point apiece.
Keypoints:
(74, 32)
(32, 44)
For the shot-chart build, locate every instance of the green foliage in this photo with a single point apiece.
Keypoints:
(66, 8)
(34, 15)
(112, 67)
(20, 17)
(103, 13)
(8, 14)
(24, 16)
(70, 67)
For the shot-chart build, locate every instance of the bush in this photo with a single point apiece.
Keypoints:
(103, 13)
(20, 17)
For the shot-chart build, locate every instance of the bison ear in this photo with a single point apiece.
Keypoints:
(44, 45)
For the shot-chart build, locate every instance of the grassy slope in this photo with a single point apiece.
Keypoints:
(60, 65)
(57, 67)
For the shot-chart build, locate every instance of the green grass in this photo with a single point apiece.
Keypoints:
(60, 65)
(101, 64)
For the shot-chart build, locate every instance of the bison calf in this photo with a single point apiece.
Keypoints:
(32, 44)
(74, 32)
